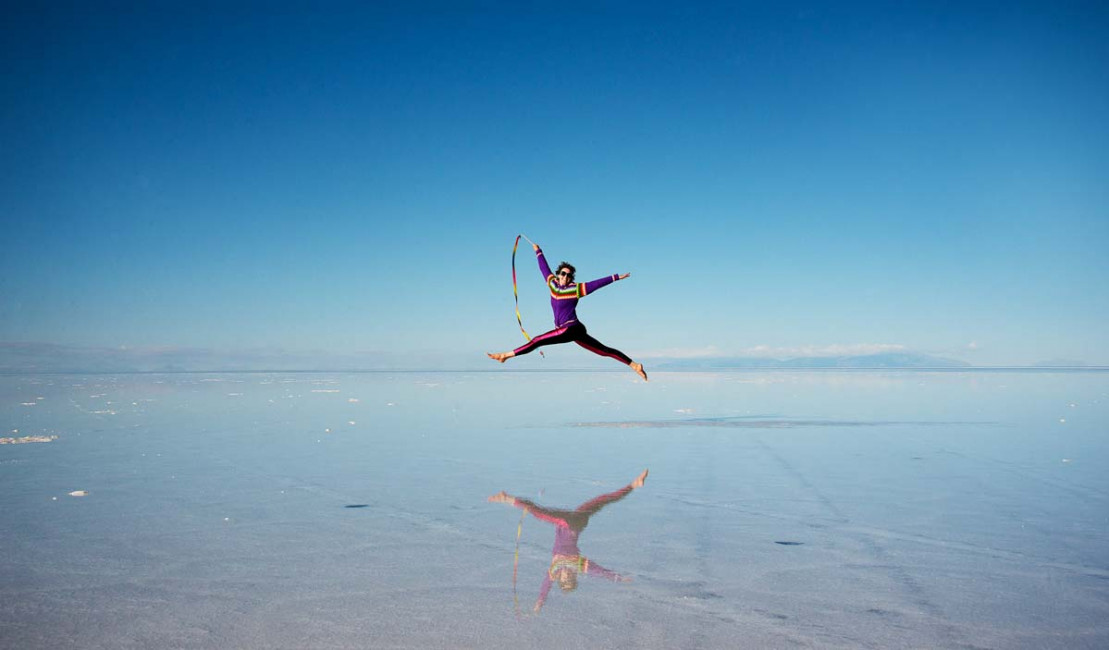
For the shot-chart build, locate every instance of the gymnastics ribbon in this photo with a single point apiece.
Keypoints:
(515, 293)
(516, 564)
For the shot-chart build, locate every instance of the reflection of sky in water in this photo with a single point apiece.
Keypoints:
(822, 509)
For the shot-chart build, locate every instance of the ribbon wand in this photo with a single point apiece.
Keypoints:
(515, 293)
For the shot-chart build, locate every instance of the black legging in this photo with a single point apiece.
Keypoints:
(575, 332)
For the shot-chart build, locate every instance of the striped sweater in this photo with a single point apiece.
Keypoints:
(564, 300)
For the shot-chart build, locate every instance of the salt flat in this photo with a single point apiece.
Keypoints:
(782, 509)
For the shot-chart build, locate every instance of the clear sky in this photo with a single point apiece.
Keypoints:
(778, 178)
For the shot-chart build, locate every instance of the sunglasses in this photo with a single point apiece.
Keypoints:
(566, 273)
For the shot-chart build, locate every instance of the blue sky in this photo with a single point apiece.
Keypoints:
(779, 179)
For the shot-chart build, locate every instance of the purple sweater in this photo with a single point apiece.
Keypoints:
(564, 300)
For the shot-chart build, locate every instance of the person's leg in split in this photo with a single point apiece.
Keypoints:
(596, 347)
(556, 516)
(549, 515)
(596, 503)
(553, 337)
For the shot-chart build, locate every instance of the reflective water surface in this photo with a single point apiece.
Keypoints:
(780, 509)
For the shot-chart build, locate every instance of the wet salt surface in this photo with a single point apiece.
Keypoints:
(825, 509)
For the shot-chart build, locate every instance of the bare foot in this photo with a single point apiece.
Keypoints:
(639, 480)
(500, 497)
(638, 368)
(499, 356)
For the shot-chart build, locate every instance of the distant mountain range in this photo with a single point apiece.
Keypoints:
(1063, 363)
(884, 360)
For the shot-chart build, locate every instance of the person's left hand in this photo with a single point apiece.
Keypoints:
(624, 276)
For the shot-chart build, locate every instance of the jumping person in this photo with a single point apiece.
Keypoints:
(566, 559)
(564, 301)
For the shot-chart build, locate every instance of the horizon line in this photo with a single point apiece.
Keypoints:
(721, 369)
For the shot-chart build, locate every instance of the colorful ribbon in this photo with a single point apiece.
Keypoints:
(516, 294)
(516, 564)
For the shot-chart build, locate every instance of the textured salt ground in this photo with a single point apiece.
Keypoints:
(218, 511)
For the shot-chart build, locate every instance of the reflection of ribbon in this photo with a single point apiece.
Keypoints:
(516, 562)
(515, 293)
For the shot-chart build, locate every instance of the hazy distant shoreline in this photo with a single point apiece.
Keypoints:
(681, 370)
(38, 358)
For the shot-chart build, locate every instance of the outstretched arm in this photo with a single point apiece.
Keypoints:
(544, 268)
(586, 288)
(598, 571)
(543, 591)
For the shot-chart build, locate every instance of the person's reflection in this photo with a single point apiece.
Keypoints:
(566, 559)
